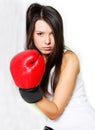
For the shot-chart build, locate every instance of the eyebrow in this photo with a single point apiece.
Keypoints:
(38, 31)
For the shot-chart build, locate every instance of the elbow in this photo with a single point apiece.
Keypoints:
(54, 116)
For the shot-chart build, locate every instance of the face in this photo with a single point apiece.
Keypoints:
(43, 37)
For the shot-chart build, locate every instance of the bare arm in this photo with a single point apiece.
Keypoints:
(64, 89)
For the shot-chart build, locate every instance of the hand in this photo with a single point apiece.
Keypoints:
(27, 69)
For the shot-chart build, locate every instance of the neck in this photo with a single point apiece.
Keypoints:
(45, 58)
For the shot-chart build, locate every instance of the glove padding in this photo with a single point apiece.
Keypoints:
(27, 69)
(31, 95)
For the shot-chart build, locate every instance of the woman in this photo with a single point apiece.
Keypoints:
(64, 101)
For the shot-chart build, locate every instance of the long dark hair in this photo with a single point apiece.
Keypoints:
(54, 19)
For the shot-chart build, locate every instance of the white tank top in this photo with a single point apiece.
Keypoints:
(78, 101)
(78, 95)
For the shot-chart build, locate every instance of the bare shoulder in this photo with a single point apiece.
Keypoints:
(70, 56)
(70, 59)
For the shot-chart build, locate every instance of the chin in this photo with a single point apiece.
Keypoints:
(46, 52)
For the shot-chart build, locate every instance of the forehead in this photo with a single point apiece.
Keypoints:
(42, 25)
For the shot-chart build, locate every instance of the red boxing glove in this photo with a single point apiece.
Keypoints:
(27, 69)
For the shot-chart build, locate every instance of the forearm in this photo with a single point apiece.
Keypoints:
(49, 108)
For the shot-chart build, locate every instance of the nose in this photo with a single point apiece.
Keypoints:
(47, 40)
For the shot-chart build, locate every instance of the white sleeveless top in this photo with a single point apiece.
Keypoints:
(78, 114)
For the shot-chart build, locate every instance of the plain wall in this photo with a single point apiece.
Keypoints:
(79, 30)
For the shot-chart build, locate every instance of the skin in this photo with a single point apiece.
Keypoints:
(43, 38)
(44, 41)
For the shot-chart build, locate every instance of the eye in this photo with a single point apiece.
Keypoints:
(39, 33)
(52, 33)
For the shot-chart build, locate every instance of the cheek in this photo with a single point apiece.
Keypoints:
(36, 41)
(36, 44)
(53, 43)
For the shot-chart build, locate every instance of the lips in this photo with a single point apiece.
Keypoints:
(47, 48)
